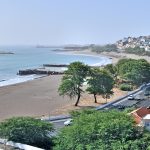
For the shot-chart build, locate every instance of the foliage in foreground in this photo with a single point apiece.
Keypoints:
(27, 130)
(95, 130)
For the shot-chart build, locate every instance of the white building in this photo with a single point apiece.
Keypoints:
(146, 121)
(147, 48)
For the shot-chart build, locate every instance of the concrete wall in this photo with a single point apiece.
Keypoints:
(19, 145)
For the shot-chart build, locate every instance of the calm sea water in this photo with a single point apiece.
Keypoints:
(32, 57)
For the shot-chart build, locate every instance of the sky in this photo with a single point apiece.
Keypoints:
(59, 22)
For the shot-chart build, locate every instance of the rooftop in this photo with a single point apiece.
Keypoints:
(141, 112)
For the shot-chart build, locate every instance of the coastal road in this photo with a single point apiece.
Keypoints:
(59, 123)
(123, 101)
(129, 103)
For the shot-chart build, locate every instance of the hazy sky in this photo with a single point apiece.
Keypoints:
(55, 22)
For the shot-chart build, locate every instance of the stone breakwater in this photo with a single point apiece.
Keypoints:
(38, 72)
(46, 70)
(64, 65)
(55, 65)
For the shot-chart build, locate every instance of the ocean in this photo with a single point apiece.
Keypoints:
(27, 57)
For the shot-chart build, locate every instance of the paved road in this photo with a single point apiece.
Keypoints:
(129, 103)
(58, 124)
(144, 103)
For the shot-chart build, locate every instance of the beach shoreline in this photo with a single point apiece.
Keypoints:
(115, 56)
(33, 98)
(40, 97)
(27, 75)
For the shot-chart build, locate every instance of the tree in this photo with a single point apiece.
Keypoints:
(134, 71)
(102, 130)
(104, 48)
(27, 130)
(73, 80)
(136, 50)
(100, 83)
(112, 70)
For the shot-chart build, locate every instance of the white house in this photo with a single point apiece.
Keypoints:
(147, 48)
(146, 121)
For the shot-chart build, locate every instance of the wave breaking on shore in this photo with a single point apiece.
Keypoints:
(19, 79)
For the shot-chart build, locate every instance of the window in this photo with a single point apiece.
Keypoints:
(147, 124)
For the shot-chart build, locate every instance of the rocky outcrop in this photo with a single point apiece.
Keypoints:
(3, 52)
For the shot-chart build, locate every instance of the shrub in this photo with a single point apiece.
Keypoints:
(126, 87)
(27, 130)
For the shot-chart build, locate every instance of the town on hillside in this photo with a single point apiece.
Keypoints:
(132, 42)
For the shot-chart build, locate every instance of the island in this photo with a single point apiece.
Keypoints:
(5, 52)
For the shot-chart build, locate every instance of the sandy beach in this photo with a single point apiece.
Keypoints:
(33, 98)
(114, 56)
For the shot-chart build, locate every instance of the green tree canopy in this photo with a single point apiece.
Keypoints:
(112, 70)
(100, 83)
(73, 80)
(104, 48)
(27, 130)
(135, 71)
(107, 130)
(136, 50)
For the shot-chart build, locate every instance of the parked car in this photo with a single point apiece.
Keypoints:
(68, 122)
(131, 97)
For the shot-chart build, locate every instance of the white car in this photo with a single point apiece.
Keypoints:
(68, 122)
(131, 97)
